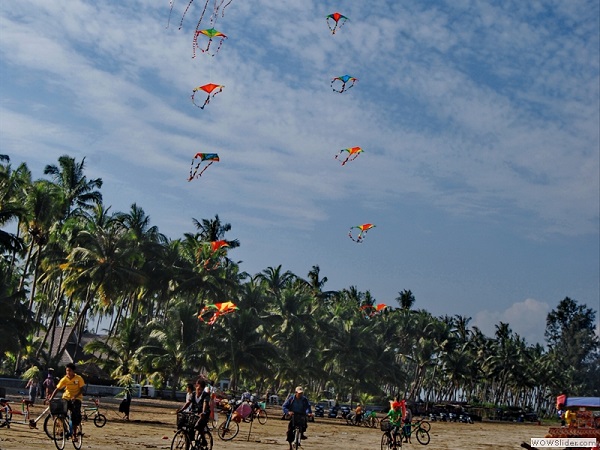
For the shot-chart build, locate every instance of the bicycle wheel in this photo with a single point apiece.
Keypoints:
(422, 436)
(60, 431)
(78, 438)
(49, 426)
(297, 438)
(228, 430)
(375, 423)
(423, 424)
(262, 416)
(209, 441)
(180, 441)
(386, 442)
(100, 420)
(6, 416)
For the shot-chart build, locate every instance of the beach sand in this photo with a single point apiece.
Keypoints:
(152, 426)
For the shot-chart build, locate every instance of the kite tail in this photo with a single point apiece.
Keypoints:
(211, 96)
(201, 15)
(334, 89)
(171, 2)
(202, 171)
(219, 47)
(184, 13)
(206, 102)
(195, 44)
(194, 170)
(196, 104)
(226, 5)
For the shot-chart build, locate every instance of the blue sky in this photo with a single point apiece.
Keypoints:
(479, 122)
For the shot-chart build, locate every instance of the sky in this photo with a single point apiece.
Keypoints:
(478, 120)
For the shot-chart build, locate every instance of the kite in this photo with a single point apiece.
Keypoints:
(210, 313)
(336, 17)
(363, 231)
(211, 157)
(218, 5)
(371, 310)
(210, 33)
(217, 245)
(352, 154)
(208, 88)
(344, 79)
(216, 253)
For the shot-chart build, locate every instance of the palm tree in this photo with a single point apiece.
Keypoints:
(15, 319)
(174, 345)
(214, 230)
(119, 354)
(100, 265)
(14, 185)
(78, 194)
(405, 299)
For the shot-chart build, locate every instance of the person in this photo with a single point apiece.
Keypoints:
(200, 405)
(298, 407)
(189, 395)
(407, 419)
(32, 386)
(395, 415)
(570, 418)
(49, 383)
(561, 414)
(126, 404)
(358, 414)
(72, 384)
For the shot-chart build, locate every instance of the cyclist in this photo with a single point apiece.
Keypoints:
(297, 406)
(201, 405)
(395, 415)
(73, 385)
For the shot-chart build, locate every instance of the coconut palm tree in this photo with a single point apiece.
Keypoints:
(77, 193)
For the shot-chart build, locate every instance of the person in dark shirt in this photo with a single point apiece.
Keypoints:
(298, 407)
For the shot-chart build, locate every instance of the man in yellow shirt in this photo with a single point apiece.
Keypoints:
(73, 385)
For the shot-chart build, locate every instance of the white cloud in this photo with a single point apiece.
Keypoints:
(526, 318)
(470, 112)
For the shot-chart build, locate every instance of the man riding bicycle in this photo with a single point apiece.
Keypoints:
(298, 407)
(73, 385)
(395, 415)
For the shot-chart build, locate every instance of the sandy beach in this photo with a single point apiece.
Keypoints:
(152, 426)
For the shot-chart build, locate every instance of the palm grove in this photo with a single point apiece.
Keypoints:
(67, 260)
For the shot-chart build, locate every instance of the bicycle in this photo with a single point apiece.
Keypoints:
(421, 428)
(6, 416)
(370, 419)
(63, 426)
(99, 418)
(230, 428)
(258, 412)
(298, 426)
(392, 436)
(187, 437)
